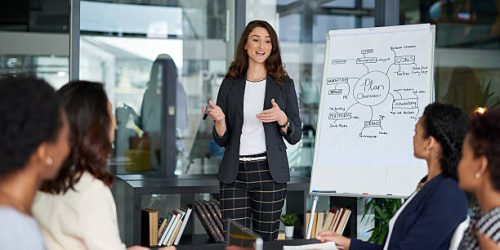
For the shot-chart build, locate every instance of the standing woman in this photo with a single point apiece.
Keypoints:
(256, 108)
(479, 174)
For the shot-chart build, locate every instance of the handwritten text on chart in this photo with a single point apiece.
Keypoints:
(339, 116)
(336, 80)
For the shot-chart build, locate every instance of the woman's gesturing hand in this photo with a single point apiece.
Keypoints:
(215, 112)
(274, 114)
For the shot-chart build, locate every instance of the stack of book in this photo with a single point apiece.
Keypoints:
(170, 229)
(335, 220)
(211, 219)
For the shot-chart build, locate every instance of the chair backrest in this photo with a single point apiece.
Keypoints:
(459, 234)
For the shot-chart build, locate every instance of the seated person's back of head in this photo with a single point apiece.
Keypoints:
(34, 143)
(76, 210)
(479, 174)
(429, 217)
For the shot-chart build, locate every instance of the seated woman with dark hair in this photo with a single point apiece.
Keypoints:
(479, 174)
(33, 145)
(428, 218)
(76, 210)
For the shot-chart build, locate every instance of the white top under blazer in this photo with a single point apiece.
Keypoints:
(253, 138)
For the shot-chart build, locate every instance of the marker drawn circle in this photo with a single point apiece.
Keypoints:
(372, 88)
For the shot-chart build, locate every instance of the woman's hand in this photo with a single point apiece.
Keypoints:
(343, 243)
(215, 112)
(167, 248)
(137, 248)
(274, 114)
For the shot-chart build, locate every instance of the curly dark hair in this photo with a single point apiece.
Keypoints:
(30, 115)
(86, 104)
(484, 131)
(448, 125)
(274, 65)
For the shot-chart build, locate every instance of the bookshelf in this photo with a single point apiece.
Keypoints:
(130, 189)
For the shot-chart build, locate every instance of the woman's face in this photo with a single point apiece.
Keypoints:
(419, 142)
(468, 167)
(112, 124)
(258, 45)
(58, 151)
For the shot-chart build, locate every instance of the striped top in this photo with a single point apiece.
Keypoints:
(487, 223)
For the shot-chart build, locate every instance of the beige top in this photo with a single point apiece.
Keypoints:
(84, 218)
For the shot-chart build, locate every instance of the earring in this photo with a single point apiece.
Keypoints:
(49, 161)
(477, 175)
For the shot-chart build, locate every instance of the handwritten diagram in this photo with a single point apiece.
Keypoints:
(375, 86)
(371, 87)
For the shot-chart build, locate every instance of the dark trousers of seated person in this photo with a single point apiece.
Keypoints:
(254, 199)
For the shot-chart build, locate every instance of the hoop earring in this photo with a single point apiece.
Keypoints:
(49, 161)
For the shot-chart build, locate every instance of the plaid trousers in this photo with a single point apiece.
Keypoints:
(254, 199)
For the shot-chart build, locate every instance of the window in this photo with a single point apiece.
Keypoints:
(35, 39)
(160, 62)
(467, 56)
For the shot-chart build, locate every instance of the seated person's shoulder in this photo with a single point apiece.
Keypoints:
(91, 186)
(88, 180)
(87, 189)
(449, 192)
(449, 183)
(16, 226)
(10, 214)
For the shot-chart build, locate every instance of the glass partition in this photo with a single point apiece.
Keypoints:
(467, 57)
(34, 38)
(160, 62)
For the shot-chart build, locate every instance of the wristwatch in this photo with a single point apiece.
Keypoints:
(287, 123)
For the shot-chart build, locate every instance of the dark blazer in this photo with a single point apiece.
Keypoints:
(429, 220)
(230, 100)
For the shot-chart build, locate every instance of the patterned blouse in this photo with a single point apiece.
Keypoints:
(487, 223)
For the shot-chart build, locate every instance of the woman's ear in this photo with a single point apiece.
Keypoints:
(430, 143)
(41, 153)
(483, 165)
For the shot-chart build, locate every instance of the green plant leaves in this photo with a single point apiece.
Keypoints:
(384, 210)
(289, 219)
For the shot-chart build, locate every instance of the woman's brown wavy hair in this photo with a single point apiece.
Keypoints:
(86, 105)
(274, 65)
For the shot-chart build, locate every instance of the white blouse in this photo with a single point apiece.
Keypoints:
(84, 218)
(253, 138)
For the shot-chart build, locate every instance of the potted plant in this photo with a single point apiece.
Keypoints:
(384, 210)
(289, 220)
